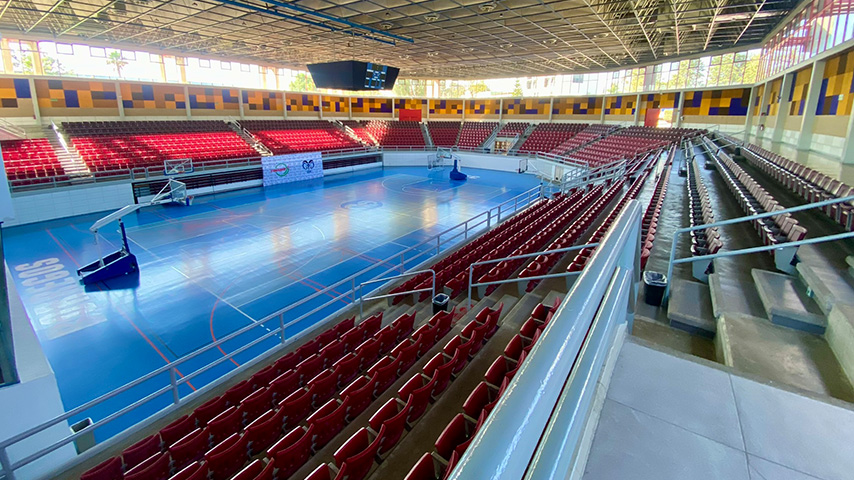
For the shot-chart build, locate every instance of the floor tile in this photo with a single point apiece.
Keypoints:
(761, 469)
(792, 430)
(685, 393)
(633, 445)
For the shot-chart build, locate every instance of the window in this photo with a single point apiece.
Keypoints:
(128, 55)
(203, 63)
(98, 52)
(65, 48)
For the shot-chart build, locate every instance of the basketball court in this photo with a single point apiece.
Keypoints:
(226, 261)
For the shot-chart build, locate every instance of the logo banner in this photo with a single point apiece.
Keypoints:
(295, 167)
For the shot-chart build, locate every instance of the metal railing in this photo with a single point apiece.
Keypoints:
(745, 251)
(521, 279)
(273, 325)
(531, 427)
(363, 299)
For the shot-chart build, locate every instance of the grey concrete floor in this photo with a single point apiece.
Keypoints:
(669, 417)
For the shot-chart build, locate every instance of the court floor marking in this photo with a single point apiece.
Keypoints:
(120, 311)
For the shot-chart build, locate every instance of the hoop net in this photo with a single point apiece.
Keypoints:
(440, 159)
(177, 167)
(173, 192)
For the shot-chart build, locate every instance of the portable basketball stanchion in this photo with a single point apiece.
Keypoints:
(123, 262)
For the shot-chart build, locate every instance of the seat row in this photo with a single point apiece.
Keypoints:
(547, 136)
(396, 133)
(578, 201)
(511, 129)
(649, 223)
(473, 134)
(496, 240)
(373, 444)
(444, 134)
(140, 127)
(754, 200)
(542, 264)
(30, 160)
(809, 184)
(461, 430)
(221, 434)
(584, 255)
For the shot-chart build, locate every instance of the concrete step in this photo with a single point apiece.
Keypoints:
(826, 285)
(755, 346)
(690, 308)
(850, 262)
(734, 293)
(840, 337)
(787, 303)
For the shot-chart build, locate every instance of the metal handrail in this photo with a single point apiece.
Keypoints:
(516, 257)
(745, 251)
(507, 442)
(8, 467)
(362, 298)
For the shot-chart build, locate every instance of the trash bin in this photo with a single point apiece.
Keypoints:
(440, 303)
(87, 440)
(654, 283)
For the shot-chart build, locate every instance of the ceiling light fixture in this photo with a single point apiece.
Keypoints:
(488, 7)
(431, 17)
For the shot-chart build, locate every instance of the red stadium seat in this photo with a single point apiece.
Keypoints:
(456, 432)
(227, 458)
(325, 384)
(328, 421)
(225, 424)
(251, 471)
(346, 369)
(322, 472)
(332, 352)
(141, 450)
(360, 394)
(108, 470)
(210, 409)
(390, 422)
(356, 456)
(292, 451)
(417, 392)
(404, 325)
(368, 352)
(190, 448)
(284, 385)
(425, 469)
(178, 429)
(193, 471)
(238, 392)
(309, 368)
(256, 403)
(478, 399)
(265, 430)
(297, 406)
(440, 369)
(386, 370)
(154, 468)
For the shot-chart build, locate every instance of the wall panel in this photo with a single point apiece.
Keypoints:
(372, 107)
(334, 106)
(729, 102)
(483, 108)
(527, 108)
(75, 98)
(259, 103)
(446, 108)
(213, 101)
(16, 99)
(623, 105)
(302, 104)
(837, 86)
(580, 108)
(141, 100)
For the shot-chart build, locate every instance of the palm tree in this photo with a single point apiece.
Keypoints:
(115, 59)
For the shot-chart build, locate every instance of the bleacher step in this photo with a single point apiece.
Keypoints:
(840, 337)
(732, 293)
(755, 346)
(787, 303)
(826, 285)
(690, 308)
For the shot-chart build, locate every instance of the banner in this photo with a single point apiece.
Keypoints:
(295, 167)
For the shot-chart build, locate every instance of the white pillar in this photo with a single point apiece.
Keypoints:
(240, 102)
(393, 109)
(763, 118)
(637, 108)
(551, 108)
(500, 109)
(34, 98)
(847, 158)
(810, 105)
(748, 123)
(187, 101)
(320, 105)
(782, 109)
(350, 108)
(119, 100)
(602, 111)
(680, 105)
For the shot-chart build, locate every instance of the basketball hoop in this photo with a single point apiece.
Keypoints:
(178, 167)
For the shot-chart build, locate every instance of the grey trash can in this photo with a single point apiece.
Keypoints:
(654, 285)
(87, 440)
(440, 303)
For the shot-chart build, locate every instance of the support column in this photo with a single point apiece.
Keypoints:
(637, 108)
(551, 108)
(119, 100)
(393, 109)
(783, 109)
(187, 99)
(680, 105)
(320, 105)
(284, 105)
(810, 106)
(748, 123)
(350, 108)
(240, 102)
(847, 159)
(36, 112)
(602, 111)
(500, 109)
(464, 110)
(763, 117)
